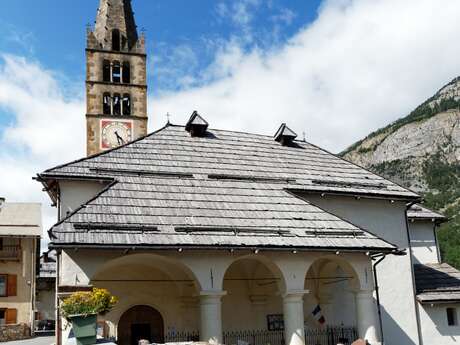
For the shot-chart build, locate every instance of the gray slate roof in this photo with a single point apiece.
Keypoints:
(418, 212)
(227, 189)
(437, 283)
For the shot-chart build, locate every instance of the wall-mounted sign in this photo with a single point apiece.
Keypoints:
(275, 322)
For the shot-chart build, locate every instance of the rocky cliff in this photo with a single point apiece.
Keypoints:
(422, 152)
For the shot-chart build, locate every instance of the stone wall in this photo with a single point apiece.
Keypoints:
(14, 332)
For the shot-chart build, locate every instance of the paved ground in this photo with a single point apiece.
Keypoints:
(34, 341)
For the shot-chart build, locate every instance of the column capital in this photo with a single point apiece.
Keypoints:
(212, 293)
(361, 294)
(294, 294)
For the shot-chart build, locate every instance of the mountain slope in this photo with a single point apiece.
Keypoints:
(422, 151)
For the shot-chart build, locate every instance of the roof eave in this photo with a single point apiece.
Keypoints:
(325, 192)
(370, 250)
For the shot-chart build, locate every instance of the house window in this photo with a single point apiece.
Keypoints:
(2, 316)
(452, 317)
(3, 285)
(1, 244)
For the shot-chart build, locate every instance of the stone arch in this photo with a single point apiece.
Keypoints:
(267, 262)
(159, 282)
(253, 285)
(148, 259)
(140, 322)
(332, 282)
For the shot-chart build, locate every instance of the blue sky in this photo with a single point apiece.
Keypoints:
(56, 37)
(334, 69)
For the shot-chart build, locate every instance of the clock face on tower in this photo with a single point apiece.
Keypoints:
(115, 133)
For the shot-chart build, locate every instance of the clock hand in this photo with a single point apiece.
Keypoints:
(119, 138)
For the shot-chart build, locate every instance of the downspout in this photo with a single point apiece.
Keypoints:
(56, 300)
(414, 291)
(377, 294)
(33, 277)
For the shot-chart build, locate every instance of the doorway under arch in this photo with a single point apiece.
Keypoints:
(140, 322)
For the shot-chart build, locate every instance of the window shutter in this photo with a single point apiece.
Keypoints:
(12, 289)
(11, 316)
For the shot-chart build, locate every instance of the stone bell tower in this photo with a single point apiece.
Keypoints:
(116, 78)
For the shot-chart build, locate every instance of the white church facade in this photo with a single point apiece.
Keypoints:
(229, 237)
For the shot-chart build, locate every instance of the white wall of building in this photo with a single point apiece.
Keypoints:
(397, 293)
(436, 330)
(423, 241)
(76, 193)
(253, 285)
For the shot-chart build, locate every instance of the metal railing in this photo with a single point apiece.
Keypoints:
(331, 336)
(10, 252)
(182, 336)
(324, 336)
(261, 337)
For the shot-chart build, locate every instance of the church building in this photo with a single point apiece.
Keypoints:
(212, 235)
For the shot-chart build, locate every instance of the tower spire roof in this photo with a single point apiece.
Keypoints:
(116, 15)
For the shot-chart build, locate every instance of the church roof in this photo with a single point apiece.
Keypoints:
(226, 188)
(419, 212)
(437, 283)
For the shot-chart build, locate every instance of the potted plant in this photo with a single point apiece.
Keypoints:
(81, 310)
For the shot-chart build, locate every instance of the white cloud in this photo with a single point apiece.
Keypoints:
(360, 65)
(47, 130)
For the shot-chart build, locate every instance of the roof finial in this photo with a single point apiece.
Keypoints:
(168, 116)
(304, 136)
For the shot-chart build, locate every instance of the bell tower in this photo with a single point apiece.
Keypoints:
(116, 78)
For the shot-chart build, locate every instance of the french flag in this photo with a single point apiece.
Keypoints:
(318, 315)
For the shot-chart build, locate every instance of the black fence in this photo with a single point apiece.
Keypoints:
(331, 336)
(254, 338)
(324, 336)
(183, 336)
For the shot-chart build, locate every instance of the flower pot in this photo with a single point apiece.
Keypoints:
(84, 328)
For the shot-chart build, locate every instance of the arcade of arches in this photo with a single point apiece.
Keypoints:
(164, 295)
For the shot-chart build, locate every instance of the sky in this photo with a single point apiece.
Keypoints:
(333, 70)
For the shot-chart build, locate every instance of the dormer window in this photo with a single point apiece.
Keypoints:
(196, 125)
(285, 136)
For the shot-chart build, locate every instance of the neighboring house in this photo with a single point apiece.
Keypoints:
(46, 293)
(20, 231)
(437, 283)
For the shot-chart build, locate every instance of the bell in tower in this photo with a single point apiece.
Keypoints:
(116, 78)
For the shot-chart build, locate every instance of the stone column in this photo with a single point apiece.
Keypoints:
(294, 329)
(366, 310)
(211, 316)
